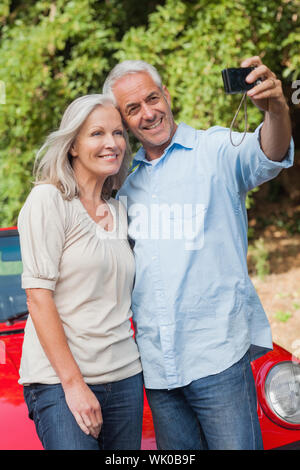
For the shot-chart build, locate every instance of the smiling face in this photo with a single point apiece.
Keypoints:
(100, 145)
(146, 111)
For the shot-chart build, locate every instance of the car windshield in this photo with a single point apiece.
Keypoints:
(12, 296)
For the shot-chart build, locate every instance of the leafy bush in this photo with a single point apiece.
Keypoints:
(52, 52)
(260, 257)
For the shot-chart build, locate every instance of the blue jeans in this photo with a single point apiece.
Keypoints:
(122, 410)
(217, 412)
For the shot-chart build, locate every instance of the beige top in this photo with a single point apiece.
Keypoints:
(91, 272)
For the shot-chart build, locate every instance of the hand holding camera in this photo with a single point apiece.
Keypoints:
(259, 82)
(234, 80)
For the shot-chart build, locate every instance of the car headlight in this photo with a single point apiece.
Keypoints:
(282, 389)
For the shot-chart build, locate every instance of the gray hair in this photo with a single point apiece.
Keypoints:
(53, 163)
(129, 67)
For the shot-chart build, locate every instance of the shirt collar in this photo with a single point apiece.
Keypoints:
(185, 136)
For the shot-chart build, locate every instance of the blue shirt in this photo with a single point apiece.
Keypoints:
(194, 307)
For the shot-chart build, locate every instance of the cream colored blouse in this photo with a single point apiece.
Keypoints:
(91, 272)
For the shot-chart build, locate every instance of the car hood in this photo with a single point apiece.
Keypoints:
(10, 354)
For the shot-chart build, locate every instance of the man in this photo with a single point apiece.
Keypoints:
(198, 319)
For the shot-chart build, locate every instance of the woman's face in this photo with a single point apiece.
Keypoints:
(100, 145)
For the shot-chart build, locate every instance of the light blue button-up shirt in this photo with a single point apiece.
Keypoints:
(194, 307)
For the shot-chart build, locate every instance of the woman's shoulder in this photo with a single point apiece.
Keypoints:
(44, 202)
(44, 196)
(44, 190)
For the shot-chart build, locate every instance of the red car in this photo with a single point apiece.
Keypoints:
(277, 374)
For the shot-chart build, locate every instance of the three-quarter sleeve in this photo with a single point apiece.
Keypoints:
(246, 166)
(256, 168)
(41, 225)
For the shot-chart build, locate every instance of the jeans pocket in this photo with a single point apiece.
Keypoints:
(40, 400)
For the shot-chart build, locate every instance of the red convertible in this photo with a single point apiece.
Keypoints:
(277, 374)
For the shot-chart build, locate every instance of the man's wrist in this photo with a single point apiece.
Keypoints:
(278, 110)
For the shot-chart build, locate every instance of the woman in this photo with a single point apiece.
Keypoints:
(80, 365)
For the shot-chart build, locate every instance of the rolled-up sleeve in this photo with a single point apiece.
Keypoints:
(41, 226)
(245, 166)
(272, 167)
(255, 167)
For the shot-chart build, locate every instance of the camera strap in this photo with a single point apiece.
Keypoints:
(243, 100)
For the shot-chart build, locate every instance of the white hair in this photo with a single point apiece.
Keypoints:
(53, 163)
(128, 67)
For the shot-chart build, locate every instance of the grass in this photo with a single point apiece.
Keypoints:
(282, 316)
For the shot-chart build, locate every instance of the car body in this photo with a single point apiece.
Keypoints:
(277, 373)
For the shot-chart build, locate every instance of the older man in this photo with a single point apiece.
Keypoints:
(198, 319)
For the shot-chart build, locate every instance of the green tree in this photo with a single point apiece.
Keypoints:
(50, 53)
(190, 42)
(53, 51)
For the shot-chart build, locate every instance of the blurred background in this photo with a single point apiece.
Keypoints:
(54, 51)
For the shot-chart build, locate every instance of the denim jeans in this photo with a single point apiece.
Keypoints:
(122, 410)
(216, 412)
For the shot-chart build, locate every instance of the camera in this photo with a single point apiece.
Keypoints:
(234, 80)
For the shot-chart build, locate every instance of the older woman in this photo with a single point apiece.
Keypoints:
(80, 364)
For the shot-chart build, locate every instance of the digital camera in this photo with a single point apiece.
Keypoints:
(234, 80)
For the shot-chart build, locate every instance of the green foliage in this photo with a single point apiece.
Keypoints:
(4, 10)
(53, 51)
(249, 198)
(49, 55)
(282, 316)
(191, 42)
(287, 221)
(260, 256)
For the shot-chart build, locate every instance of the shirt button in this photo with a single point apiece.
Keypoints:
(154, 257)
(154, 196)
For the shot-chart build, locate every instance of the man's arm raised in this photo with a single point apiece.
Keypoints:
(268, 97)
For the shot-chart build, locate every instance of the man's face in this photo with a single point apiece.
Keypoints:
(146, 110)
